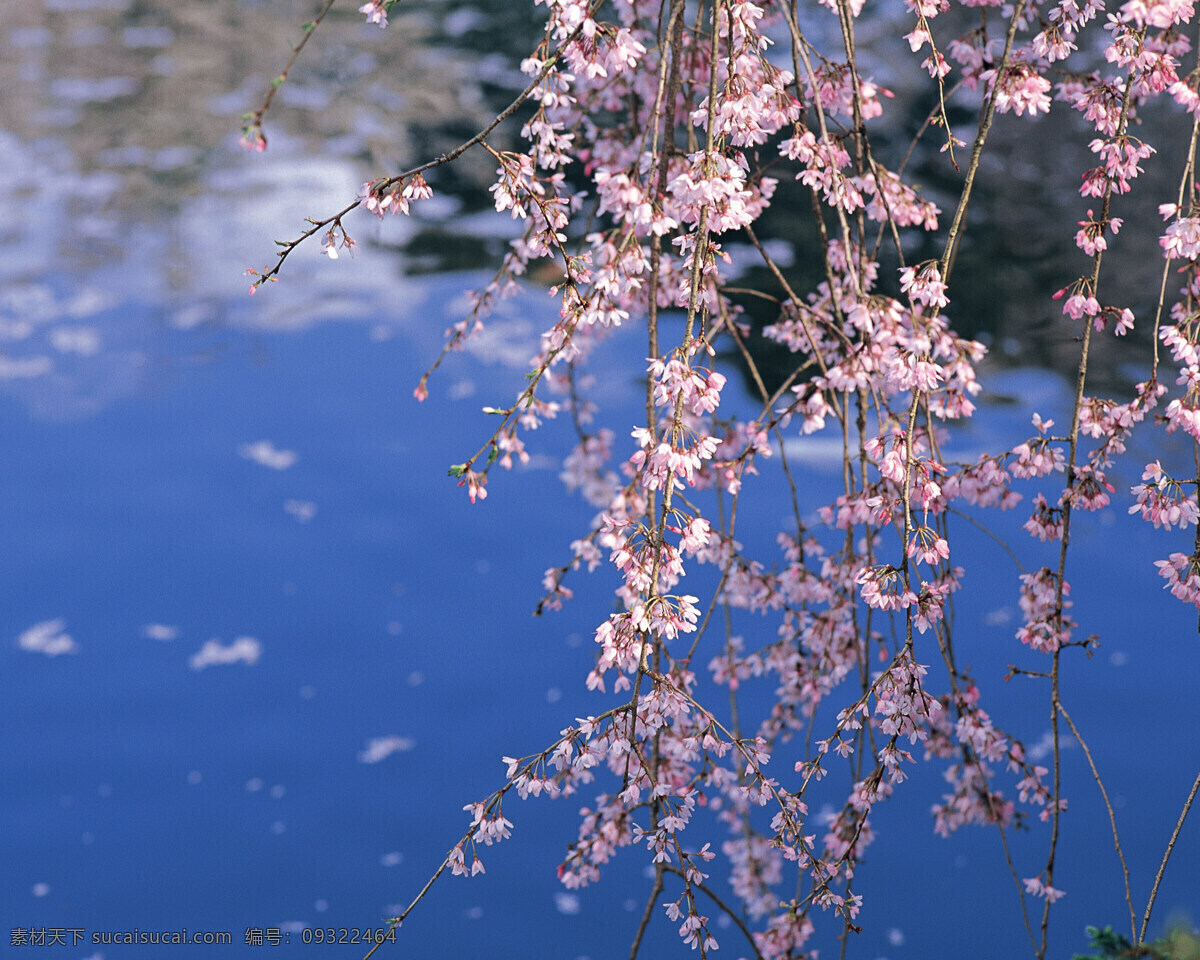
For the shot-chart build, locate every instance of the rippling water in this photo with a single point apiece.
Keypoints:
(259, 651)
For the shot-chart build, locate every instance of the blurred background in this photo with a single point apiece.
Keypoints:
(259, 650)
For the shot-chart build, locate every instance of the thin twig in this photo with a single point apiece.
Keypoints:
(721, 905)
(317, 225)
(253, 128)
(1162, 867)
(655, 893)
(1112, 817)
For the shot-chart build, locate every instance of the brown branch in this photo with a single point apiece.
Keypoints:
(252, 135)
(721, 905)
(1112, 817)
(1162, 867)
(318, 225)
(655, 893)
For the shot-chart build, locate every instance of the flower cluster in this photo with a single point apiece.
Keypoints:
(653, 143)
(1046, 628)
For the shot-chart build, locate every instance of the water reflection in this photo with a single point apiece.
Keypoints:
(118, 127)
(124, 184)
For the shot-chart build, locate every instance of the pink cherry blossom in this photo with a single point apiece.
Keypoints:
(1021, 89)
(634, 188)
(1182, 239)
(376, 11)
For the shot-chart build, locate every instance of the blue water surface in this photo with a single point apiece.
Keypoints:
(150, 794)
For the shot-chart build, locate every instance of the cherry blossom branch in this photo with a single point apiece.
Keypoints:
(768, 402)
(937, 67)
(1186, 180)
(519, 777)
(1162, 867)
(972, 758)
(665, 122)
(985, 126)
(252, 133)
(982, 528)
(722, 906)
(1065, 539)
(1112, 817)
(651, 902)
(834, 329)
(385, 184)
(800, 48)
